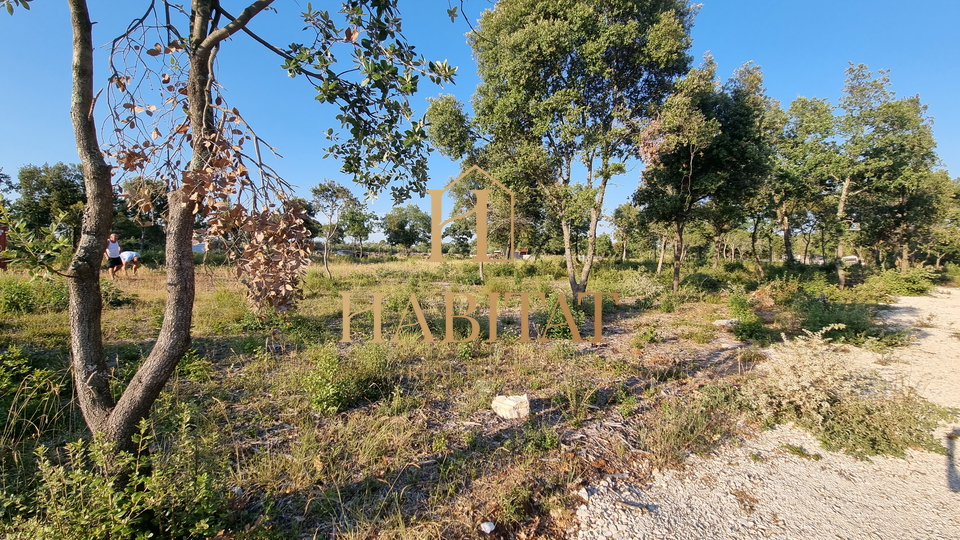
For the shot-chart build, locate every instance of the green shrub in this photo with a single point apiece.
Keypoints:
(29, 396)
(556, 316)
(643, 336)
(887, 425)
(702, 283)
(17, 297)
(338, 382)
(168, 496)
(750, 325)
(671, 301)
(915, 282)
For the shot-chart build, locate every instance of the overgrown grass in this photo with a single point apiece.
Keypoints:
(273, 429)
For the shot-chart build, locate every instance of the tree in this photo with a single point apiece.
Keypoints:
(47, 193)
(887, 144)
(406, 226)
(806, 153)
(677, 180)
(566, 85)
(359, 224)
(742, 152)
(626, 224)
(331, 199)
(201, 158)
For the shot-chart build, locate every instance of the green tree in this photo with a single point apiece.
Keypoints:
(331, 199)
(677, 180)
(742, 153)
(806, 154)
(566, 85)
(626, 226)
(45, 193)
(406, 226)
(359, 224)
(887, 147)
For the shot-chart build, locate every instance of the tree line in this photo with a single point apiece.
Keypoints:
(572, 93)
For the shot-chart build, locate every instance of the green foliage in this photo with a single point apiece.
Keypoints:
(915, 282)
(171, 496)
(407, 225)
(888, 425)
(554, 315)
(338, 382)
(32, 296)
(643, 336)
(750, 325)
(694, 425)
(30, 397)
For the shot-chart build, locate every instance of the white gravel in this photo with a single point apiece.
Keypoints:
(754, 488)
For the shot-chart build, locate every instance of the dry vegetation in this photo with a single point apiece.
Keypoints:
(273, 429)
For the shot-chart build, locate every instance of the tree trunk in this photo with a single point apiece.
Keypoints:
(841, 214)
(117, 422)
(784, 219)
(326, 251)
(905, 257)
(677, 255)
(568, 254)
(717, 237)
(623, 254)
(91, 378)
(753, 246)
(663, 252)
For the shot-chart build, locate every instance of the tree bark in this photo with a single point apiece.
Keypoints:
(86, 339)
(663, 252)
(753, 246)
(677, 254)
(784, 219)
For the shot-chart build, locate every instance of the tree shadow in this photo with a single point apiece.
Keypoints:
(953, 476)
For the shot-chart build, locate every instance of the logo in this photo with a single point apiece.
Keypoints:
(479, 209)
(559, 312)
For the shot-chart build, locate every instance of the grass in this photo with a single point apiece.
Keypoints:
(277, 430)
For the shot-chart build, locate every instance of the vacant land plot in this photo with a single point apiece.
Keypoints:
(274, 428)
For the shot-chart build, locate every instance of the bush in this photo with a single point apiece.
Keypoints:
(749, 326)
(702, 283)
(338, 383)
(168, 496)
(915, 282)
(556, 316)
(808, 382)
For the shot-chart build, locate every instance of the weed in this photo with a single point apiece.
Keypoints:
(800, 452)
(644, 335)
(574, 398)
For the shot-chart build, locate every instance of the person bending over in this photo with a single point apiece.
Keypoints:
(131, 259)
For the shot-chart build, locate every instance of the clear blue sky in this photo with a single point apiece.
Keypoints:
(803, 48)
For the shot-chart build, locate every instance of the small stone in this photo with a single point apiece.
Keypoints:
(584, 494)
(726, 323)
(487, 527)
(511, 407)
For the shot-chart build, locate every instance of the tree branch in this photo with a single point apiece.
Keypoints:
(233, 26)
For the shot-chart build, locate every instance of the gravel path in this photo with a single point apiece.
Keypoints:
(754, 488)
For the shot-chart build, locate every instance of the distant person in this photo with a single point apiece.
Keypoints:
(130, 259)
(114, 263)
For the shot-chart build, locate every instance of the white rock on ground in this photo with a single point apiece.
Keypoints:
(511, 407)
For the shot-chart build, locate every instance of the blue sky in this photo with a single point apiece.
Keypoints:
(803, 48)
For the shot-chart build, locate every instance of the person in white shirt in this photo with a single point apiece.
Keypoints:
(114, 263)
(130, 259)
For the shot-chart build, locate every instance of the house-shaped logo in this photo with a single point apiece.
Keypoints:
(480, 209)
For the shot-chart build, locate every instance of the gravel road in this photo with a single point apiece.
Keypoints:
(754, 488)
